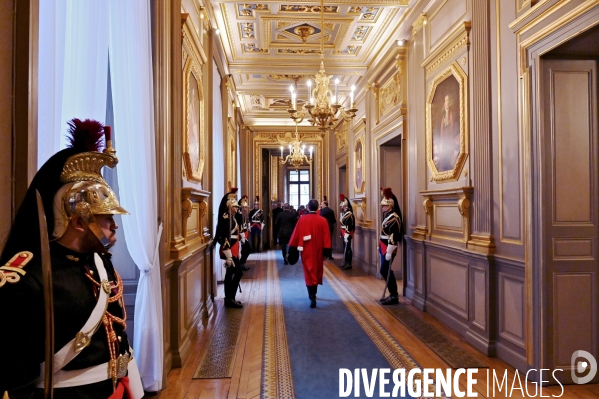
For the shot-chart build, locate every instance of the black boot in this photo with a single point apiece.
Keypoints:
(390, 300)
(312, 295)
(232, 303)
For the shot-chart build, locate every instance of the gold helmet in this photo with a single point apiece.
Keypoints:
(387, 197)
(232, 198)
(343, 201)
(85, 193)
(244, 201)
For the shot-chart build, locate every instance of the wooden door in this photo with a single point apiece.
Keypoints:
(570, 216)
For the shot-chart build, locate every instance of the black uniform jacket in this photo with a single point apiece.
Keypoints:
(348, 221)
(23, 324)
(286, 222)
(391, 229)
(227, 230)
(329, 215)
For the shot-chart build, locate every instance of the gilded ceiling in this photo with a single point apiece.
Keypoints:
(272, 45)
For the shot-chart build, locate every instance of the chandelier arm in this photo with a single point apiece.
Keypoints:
(322, 29)
(323, 114)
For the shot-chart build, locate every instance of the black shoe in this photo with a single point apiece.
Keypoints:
(231, 303)
(244, 268)
(392, 300)
(345, 267)
(285, 262)
(331, 258)
(385, 298)
(313, 303)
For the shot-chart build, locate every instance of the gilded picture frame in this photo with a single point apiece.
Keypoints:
(447, 124)
(194, 140)
(359, 165)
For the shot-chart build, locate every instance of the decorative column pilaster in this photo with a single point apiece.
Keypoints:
(177, 242)
(482, 218)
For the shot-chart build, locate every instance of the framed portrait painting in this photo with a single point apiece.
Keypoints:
(193, 123)
(446, 124)
(359, 165)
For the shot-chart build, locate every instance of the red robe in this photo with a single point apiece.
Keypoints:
(311, 236)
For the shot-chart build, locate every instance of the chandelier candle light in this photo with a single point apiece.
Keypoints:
(322, 106)
(296, 157)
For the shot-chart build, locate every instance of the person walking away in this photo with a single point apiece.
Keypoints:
(286, 222)
(275, 213)
(329, 215)
(313, 241)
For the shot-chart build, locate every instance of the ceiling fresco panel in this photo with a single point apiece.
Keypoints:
(271, 45)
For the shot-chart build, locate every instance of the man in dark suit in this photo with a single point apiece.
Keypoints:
(329, 215)
(275, 213)
(285, 224)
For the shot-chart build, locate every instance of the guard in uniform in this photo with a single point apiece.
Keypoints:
(391, 236)
(257, 224)
(92, 357)
(242, 220)
(348, 226)
(228, 236)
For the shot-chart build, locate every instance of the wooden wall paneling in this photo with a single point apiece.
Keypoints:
(539, 31)
(164, 34)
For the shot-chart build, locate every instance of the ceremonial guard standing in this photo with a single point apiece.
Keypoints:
(228, 236)
(257, 224)
(243, 221)
(62, 302)
(312, 238)
(391, 236)
(348, 226)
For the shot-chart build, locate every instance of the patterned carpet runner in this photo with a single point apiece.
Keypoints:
(453, 355)
(219, 357)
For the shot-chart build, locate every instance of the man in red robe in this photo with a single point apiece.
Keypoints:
(311, 237)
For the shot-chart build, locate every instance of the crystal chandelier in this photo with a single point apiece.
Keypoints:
(297, 156)
(322, 107)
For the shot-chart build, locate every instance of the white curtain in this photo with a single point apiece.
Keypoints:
(75, 37)
(132, 92)
(73, 59)
(218, 153)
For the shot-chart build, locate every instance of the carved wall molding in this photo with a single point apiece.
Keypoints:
(449, 49)
(194, 210)
(419, 23)
(341, 136)
(392, 92)
(428, 210)
(460, 200)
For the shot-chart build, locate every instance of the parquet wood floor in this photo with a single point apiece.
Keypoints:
(246, 380)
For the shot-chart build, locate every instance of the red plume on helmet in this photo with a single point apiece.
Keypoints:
(233, 190)
(345, 202)
(389, 199)
(85, 135)
(387, 192)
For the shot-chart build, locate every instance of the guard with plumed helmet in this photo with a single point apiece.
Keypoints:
(391, 236)
(348, 226)
(244, 234)
(228, 236)
(62, 299)
(256, 225)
